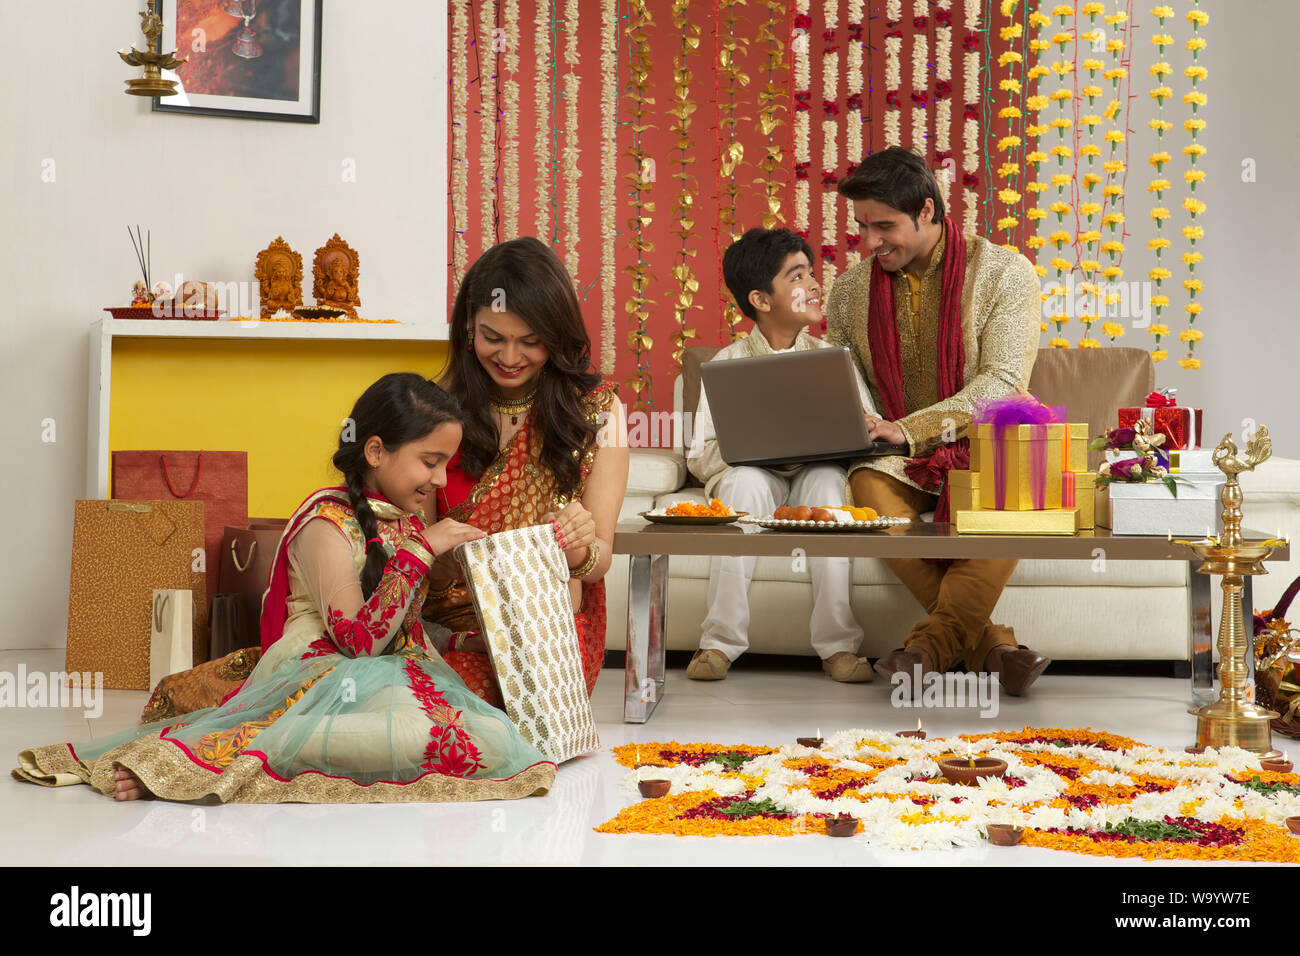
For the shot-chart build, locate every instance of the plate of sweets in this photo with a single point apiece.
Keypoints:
(828, 518)
(688, 512)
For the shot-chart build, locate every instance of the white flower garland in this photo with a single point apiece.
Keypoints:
(853, 82)
(902, 825)
(488, 121)
(543, 150)
(893, 74)
(970, 128)
(510, 147)
(920, 78)
(459, 148)
(943, 106)
(570, 152)
(608, 180)
(830, 148)
(802, 154)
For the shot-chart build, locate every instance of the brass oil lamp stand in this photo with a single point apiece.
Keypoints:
(153, 60)
(1234, 720)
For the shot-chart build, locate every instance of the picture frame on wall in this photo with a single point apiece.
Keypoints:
(255, 59)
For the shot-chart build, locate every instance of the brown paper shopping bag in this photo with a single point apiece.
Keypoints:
(121, 552)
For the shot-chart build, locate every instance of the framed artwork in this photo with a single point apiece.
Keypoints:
(258, 59)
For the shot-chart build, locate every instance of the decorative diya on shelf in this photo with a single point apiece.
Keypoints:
(1234, 720)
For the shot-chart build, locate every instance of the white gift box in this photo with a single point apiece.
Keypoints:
(1147, 507)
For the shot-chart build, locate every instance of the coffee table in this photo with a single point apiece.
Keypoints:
(649, 547)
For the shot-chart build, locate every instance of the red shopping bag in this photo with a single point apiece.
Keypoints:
(219, 479)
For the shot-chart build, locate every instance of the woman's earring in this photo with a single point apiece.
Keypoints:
(469, 344)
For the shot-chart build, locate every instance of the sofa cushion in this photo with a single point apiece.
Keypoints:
(692, 359)
(1093, 384)
(654, 471)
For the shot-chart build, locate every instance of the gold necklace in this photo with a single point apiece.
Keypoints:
(513, 407)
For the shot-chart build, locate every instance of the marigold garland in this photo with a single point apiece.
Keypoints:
(544, 112)
(831, 204)
(510, 134)
(1194, 207)
(893, 71)
(853, 119)
(1071, 789)
(1159, 184)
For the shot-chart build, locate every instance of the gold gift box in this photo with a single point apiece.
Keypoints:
(1077, 453)
(1019, 442)
(963, 490)
(1085, 499)
(993, 521)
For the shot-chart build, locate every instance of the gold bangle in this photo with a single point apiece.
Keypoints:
(584, 569)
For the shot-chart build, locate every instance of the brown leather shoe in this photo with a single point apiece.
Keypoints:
(1018, 669)
(708, 665)
(903, 659)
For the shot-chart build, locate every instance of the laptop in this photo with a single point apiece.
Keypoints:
(789, 408)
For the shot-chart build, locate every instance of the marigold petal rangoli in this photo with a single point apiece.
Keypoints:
(1077, 790)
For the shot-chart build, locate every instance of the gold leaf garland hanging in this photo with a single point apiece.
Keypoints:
(640, 66)
(683, 107)
(488, 122)
(543, 107)
(730, 48)
(771, 101)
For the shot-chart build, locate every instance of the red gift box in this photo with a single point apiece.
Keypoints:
(1181, 426)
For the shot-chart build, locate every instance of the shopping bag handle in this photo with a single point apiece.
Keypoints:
(198, 470)
(159, 609)
(234, 555)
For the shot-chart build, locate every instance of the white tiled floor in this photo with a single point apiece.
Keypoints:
(77, 826)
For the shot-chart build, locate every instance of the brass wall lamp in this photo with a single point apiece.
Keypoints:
(152, 83)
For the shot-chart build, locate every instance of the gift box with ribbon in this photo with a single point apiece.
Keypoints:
(1024, 449)
(1181, 426)
(964, 489)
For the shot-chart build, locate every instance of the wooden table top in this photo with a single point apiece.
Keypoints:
(915, 540)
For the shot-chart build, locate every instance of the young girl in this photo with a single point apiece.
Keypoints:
(348, 703)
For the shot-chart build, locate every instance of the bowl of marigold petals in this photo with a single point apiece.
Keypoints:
(690, 512)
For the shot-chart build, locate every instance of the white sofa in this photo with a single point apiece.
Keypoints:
(1070, 610)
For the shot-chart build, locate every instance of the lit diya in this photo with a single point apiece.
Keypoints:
(814, 742)
(968, 769)
(918, 734)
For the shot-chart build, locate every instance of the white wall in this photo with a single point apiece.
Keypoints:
(214, 191)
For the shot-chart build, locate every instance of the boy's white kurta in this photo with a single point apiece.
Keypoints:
(760, 491)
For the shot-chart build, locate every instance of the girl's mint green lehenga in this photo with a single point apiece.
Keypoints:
(350, 704)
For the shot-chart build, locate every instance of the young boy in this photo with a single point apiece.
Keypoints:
(769, 272)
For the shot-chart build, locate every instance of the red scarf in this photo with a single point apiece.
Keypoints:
(929, 471)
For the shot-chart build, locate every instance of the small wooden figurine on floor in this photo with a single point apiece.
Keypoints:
(279, 277)
(334, 276)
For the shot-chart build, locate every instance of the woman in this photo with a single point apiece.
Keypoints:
(544, 441)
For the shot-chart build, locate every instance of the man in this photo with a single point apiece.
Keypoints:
(769, 273)
(935, 321)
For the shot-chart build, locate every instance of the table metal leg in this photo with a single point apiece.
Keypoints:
(1200, 639)
(643, 672)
